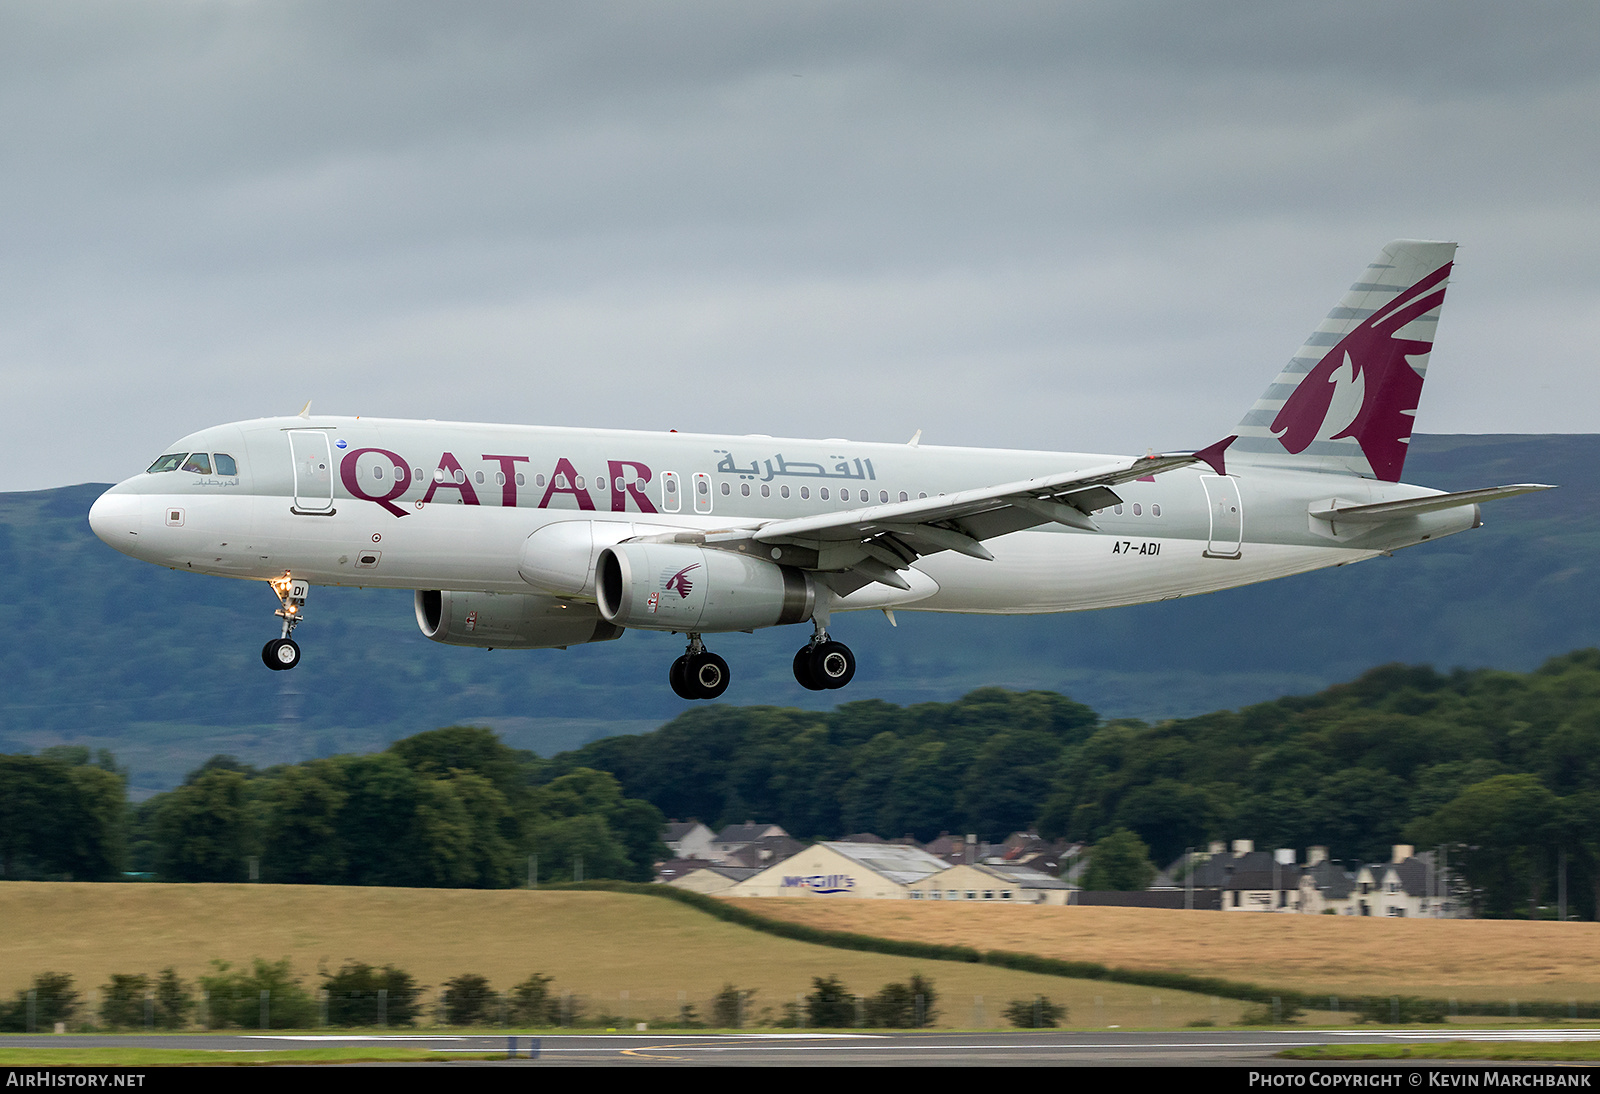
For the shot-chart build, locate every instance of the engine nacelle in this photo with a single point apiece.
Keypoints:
(678, 587)
(516, 621)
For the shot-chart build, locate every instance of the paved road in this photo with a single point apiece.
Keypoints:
(1188, 1048)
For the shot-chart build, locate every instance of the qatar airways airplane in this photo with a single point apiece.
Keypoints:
(531, 537)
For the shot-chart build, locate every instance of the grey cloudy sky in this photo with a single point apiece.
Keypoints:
(1059, 225)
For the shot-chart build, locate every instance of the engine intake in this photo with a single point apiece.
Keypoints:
(677, 587)
(518, 621)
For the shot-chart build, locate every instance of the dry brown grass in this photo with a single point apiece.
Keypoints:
(1468, 959)
(597, 945)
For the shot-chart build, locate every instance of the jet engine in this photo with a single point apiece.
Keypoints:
(517, 621)
(678, 587)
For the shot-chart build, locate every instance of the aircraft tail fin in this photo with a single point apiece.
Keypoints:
(1346, 402)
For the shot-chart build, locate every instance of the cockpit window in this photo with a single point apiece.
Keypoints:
(225, 465)
(198, 463)
(166, 463)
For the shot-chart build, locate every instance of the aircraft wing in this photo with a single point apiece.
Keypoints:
(875, 541)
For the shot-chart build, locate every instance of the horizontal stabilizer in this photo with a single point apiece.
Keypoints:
(1389, 510)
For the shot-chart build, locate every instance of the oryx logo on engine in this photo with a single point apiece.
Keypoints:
(679, 582)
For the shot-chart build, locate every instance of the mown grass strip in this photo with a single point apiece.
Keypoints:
(1453, 1050)
(186, 1057)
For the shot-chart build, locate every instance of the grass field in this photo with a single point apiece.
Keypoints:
(597, 945)
(1466, 959)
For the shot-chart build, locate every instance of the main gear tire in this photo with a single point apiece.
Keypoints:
(832, 664)
(802, 670)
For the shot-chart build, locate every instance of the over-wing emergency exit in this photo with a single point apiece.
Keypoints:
(540, 537)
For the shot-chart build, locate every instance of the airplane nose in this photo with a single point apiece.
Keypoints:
(117, 519)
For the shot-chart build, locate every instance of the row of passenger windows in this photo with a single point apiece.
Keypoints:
(1138, 510)
(197, 463)
(805, 492)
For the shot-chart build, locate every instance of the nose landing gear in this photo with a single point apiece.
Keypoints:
(284, 653)
(699, 673)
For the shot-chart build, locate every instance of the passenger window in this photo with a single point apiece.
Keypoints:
(580, 482)
(766, 491)
(1138, 510)
(903, 496)
(377, 472)
(702, 487)
(724, 489)
(1117, 509)
(784, 491)
(744, 488)
(823, 493)
(805, 493)
(199, 463)
(479, 478)
(883, 495)
(521, 480)
(1155, 510)
(225, 465)
(166, 463)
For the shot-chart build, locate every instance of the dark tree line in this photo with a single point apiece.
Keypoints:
(1503, 768)
(449, 808)
(62, 815)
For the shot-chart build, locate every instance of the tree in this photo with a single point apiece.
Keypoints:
(532, 1003)
(269, 996)
(1506, 827)
(830, 1005)
(122, 1001)
(1036, 1013)
(730, 1006)
(354, 999)
(911, 1005)
(301, 844)
(1119, 863)
(203, 830)
(468, 1000)
(173, 1000)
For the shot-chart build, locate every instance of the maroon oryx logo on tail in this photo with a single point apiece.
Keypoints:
(679, 582)
(1365, 387)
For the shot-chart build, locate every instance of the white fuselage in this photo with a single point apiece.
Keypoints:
(443, 505)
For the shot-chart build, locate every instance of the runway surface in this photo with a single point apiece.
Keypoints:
(1187, 1048)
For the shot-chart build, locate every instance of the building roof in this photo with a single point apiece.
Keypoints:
(894, 861)
(748, 832)
(1023, 877)
(677, 830)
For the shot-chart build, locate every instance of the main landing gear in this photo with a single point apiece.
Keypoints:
(284, 653)
(699, 673)
(824, 664)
